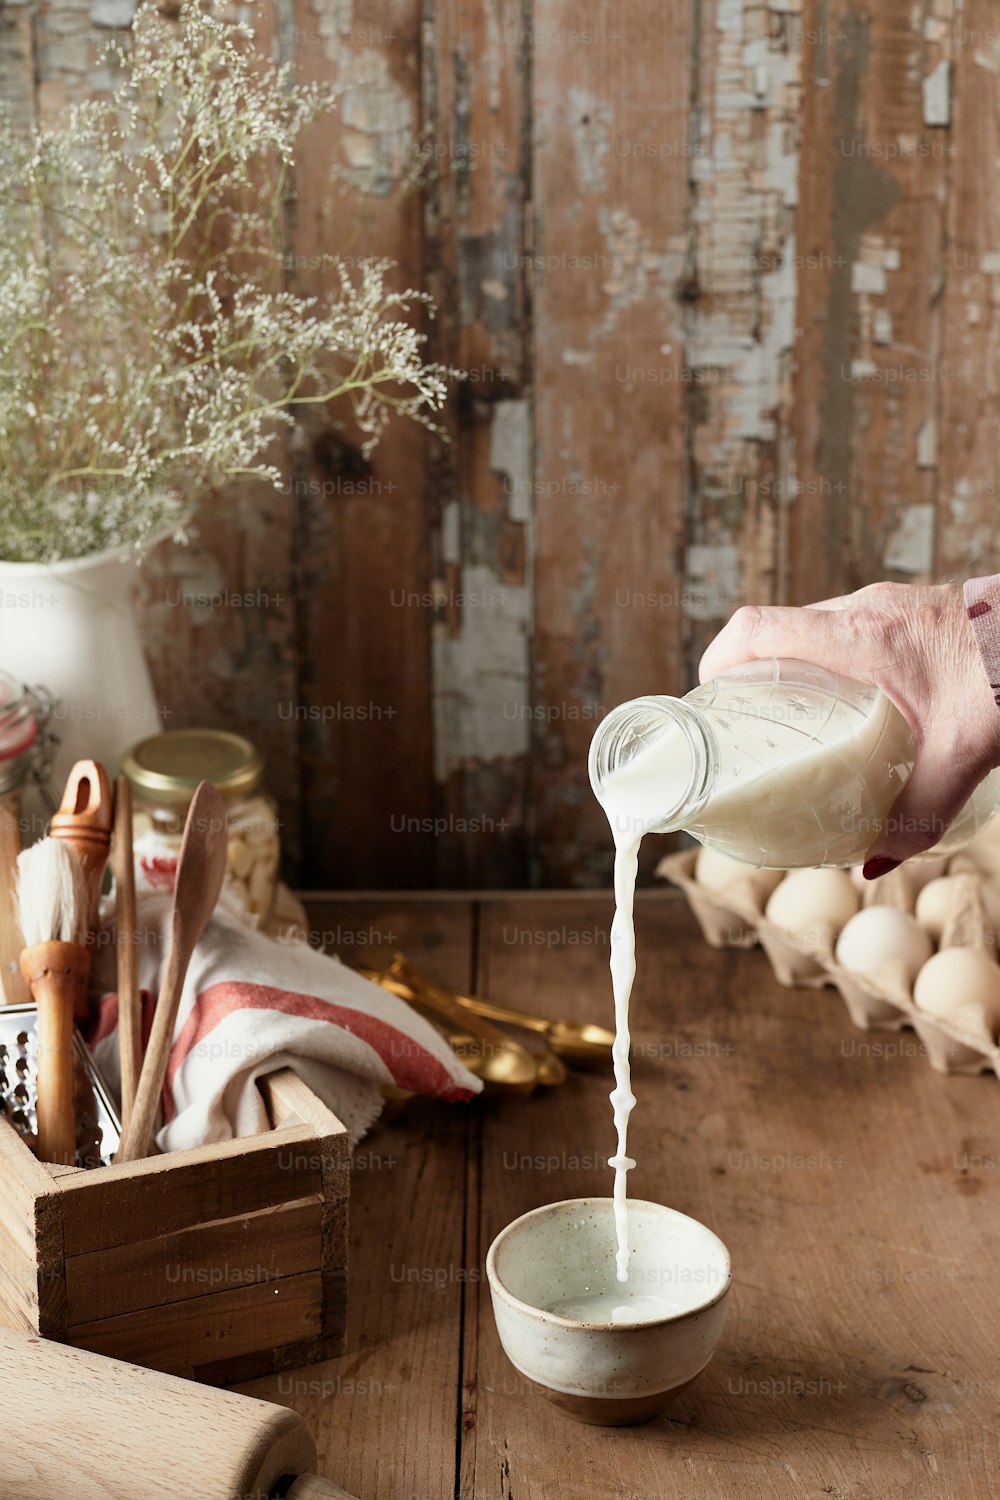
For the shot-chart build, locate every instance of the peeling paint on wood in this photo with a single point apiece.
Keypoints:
(609, 430)
(869, 358)
(910, 548)
(741, 312)
(726, 280)
(937, 95)
(969, 398)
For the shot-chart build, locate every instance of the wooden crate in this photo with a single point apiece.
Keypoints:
(221, 1264)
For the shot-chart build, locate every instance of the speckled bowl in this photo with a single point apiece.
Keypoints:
(610, 1373)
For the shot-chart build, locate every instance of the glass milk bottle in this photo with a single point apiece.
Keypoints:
(775, 763)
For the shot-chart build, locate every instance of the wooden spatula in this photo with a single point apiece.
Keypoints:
(201, 867)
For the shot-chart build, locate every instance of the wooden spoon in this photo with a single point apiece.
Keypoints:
(201, 867)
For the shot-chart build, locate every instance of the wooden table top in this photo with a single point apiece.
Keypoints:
(856, 1189)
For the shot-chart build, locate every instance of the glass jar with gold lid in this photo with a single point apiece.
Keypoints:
(25, 745)
(165, 771)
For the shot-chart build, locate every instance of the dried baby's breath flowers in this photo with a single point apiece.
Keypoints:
(148, 345)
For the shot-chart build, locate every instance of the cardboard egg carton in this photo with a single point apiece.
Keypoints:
(878, 1001)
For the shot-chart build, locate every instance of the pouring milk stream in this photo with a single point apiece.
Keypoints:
(779, 764)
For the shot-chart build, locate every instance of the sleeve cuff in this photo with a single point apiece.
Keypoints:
(982, 601)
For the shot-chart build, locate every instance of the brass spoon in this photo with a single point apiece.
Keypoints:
(551, 1069)
(484, 1049)
(579, 1042)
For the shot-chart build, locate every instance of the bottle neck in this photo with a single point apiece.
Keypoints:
(652, 764)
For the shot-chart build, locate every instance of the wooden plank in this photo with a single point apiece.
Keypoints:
(291, 1102)
(219, 613)
(268, 1246)
(360, 528)
(851, 1183)
(739, 297)
(288, 1098)
(134, 1201)
(869, 372)
(22, 1281)
(33, 1251)
(18, 63)
(202, 1330)
(386, 1413)
(23, 1182)
(969, 406)
(475, 79)
(366, 931)
(610, 172)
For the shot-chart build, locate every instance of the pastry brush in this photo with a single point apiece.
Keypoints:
(54, 915)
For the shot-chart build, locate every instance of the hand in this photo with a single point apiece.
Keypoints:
(914, 642)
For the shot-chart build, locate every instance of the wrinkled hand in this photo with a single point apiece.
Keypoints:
(914, 642)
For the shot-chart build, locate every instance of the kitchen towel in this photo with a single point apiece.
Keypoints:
(252, 1004)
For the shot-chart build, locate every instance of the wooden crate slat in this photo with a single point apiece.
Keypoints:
(85, 1256)
(18, 1275)
(266, 1247)
(163, 1194)
(23, 1181)
(222, 1325)
(288, 1097)
(32, 1219)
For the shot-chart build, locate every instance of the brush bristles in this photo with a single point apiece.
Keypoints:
(52, 898)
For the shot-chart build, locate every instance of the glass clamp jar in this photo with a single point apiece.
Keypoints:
(25, 746)
(165, 770)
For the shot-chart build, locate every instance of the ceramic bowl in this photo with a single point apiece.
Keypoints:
(656, 1332)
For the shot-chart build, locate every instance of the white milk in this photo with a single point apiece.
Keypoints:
(609, 1307)
(792, 796)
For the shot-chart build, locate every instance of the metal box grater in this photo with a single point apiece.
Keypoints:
(98, 1126)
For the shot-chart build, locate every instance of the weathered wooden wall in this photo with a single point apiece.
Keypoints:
(723, 274)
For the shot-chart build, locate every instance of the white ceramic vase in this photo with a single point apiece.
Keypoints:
(69, 626)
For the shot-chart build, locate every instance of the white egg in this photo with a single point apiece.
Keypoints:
(940, 900)
(983, 854)
(806, 899)
(883, 935)
(962, 985)
(715, 871)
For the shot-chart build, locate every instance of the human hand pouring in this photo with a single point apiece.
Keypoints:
(201, 867)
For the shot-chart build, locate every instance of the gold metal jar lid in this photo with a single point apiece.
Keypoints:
(167, 768)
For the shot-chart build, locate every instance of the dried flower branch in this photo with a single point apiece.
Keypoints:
(148, 346)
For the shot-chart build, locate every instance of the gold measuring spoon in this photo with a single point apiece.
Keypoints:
(581, 1043)
(484, 1049)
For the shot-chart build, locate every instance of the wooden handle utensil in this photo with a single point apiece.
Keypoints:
(126, 951)
(84, 819)
(94, 1428)
(56, 974)
(201, 866)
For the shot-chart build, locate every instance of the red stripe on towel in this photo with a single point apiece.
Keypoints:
(410, 1064)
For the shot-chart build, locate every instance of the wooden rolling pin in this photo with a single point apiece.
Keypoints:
(94, 1428)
